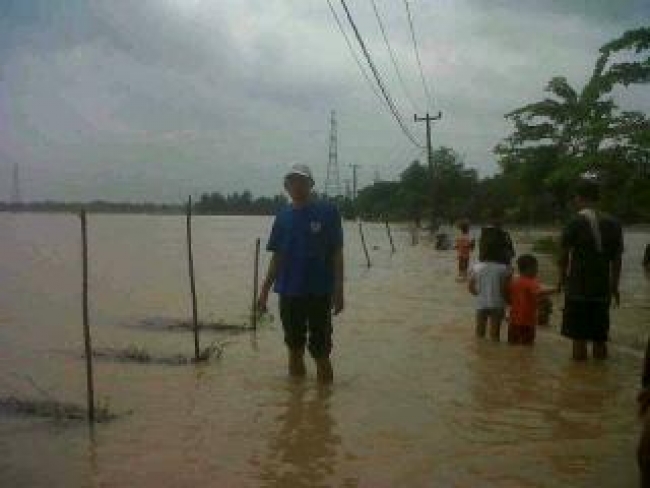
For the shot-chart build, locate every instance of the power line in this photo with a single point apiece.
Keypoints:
(353, 52)
(417, 55)
(380, 83)
(392, 56)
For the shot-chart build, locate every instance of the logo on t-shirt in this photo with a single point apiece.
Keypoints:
(315, 226)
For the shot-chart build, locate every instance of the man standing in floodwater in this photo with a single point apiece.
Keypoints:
(306, 270)
(590, 268)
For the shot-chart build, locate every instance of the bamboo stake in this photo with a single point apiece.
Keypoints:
(90, 387)
(195, 320)
(256, 271)
(363, 243)
(390, 237)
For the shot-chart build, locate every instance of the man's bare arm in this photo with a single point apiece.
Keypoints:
(562, 265)
(615, 276)
(271, 275)
(338, 300)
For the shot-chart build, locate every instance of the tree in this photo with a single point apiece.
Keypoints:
(378, 200)
(570, 132)
(413, 191)
(454, 185)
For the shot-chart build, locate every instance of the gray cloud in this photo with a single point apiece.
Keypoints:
(156, 99)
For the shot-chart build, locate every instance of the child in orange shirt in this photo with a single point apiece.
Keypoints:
(464, 246)
(525, 293)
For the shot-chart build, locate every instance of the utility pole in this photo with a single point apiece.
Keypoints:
(428, 119)
(348, 191)
(354, 167)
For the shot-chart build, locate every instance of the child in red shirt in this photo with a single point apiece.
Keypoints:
(464, 246)
(524, 293)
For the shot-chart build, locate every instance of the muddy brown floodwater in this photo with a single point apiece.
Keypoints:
(417, 401)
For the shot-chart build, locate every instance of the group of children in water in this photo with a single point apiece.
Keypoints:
(497, 288)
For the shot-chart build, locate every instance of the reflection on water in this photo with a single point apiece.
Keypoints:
(417, 400)
(302, 450)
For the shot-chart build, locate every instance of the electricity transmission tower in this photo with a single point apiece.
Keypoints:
(333, 181)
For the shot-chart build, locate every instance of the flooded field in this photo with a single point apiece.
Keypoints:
(417, 400)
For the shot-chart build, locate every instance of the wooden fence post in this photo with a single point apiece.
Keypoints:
(195, 319)
(256, 271)
(90, 387)
(390, 237)
(363, 243)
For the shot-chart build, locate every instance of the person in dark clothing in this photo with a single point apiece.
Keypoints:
(643, 451)
(646, 258)
(589, 272)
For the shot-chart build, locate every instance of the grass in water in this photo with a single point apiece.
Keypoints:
(52, 409)
(212, 326)
(47, 406)
(136, 354)
(172, 324)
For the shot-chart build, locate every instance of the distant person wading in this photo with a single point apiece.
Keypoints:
(306, 271)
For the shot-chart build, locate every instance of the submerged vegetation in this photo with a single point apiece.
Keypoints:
(52, 409)
(137, 354)
(211, 326)
(171, 324)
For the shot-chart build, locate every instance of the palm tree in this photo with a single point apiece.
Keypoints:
(573, 131)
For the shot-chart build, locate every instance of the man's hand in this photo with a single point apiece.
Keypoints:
(262, 299)
(338, 301)
(644, 401)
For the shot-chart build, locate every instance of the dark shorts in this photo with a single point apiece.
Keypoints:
(494, 314)
(518, 334)
(584, 320)
(306, 317)
(463, 264)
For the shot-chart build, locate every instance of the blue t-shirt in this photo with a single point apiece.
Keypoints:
(306, 239)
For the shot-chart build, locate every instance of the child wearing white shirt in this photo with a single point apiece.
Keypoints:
(489, 283)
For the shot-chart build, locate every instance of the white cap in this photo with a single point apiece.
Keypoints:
(301, 170)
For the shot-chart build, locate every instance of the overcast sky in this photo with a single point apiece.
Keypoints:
(157, 99)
